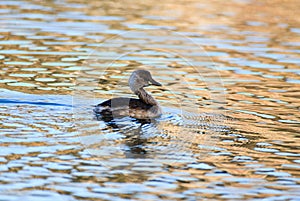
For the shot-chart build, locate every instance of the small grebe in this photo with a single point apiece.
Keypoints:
(146, 107)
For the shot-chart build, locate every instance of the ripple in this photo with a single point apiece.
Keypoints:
(201, 166)
(57, 64)
(45, 79)
(18, 63)
(22, 84)
(22, 75)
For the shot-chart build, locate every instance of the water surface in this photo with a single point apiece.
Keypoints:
(230, 96)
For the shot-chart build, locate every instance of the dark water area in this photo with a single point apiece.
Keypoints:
(230, 128)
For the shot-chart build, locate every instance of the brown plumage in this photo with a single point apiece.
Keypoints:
(146, 107)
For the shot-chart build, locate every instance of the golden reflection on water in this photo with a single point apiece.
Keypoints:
(239, 59)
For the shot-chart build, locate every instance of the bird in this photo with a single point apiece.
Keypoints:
(143, 107)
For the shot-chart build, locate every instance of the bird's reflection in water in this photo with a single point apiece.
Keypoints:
(135, 139)
(136, 144)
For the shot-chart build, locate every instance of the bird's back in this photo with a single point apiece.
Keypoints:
(120, 107)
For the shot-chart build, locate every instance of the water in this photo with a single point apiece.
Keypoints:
(230, 96)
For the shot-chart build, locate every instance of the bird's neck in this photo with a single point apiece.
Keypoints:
(145, 97)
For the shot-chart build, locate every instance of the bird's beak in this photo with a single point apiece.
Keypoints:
(152, 81)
